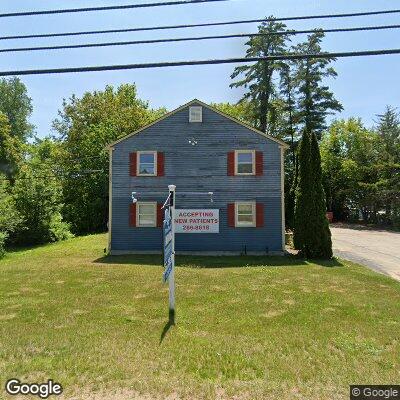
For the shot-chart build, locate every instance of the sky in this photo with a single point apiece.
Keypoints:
(364, 85)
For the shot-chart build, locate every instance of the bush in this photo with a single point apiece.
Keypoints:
(3, 238)
(59, 230)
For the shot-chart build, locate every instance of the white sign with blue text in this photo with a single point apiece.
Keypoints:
(168, 261)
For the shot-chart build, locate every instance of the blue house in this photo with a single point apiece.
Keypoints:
(229, 181)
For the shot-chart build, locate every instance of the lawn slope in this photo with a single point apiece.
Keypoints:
(247, 327)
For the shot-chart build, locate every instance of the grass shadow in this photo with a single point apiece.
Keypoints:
(167, 326)
(218, 261)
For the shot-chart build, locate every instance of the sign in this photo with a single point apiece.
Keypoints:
(196, 221)
(167, 228)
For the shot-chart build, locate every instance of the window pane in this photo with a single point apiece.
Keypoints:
(245, 158)
(245, 168)
(146, 169)
(146, 219)
(245, 209)
(146, 209)
(147, 158)
(146, 164)
(245, 218)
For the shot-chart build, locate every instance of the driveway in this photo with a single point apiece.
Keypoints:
(376, 249)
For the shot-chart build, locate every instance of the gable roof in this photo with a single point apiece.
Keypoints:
(195, 101)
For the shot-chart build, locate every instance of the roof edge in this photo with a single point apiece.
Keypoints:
(280, 142)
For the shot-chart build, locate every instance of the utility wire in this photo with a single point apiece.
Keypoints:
(154, 28)
(278, 57)
(105, 8)
(185, 39)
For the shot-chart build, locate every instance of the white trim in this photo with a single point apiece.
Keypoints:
(195, 110)
(283, 198)
(110, 197)
(253, 152)
(155, 155)
(195, 101)
(151, 203)
(252, 224)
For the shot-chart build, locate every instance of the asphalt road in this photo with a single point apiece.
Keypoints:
(376, 249)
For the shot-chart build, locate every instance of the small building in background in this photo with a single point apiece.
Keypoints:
(200, 150)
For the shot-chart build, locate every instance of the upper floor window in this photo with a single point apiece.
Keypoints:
(146, 214)
(196, 114)
(245, 162)
(147, 163)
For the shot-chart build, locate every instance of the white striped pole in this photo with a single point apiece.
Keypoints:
(171, 279)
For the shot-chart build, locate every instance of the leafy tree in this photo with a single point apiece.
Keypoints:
(37, 194)
(258, 78)
(17, 106)
(242, 111)
(85, 127)
(315, 101)
(11, 148)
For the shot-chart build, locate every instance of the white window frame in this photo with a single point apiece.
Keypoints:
(252, 224)
(253, 152)
(198, 109)
(147, 203)
(155, 155)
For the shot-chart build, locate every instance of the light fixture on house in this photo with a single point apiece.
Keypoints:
(193, 141)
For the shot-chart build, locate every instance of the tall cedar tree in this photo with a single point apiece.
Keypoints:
(316, 101)
(303, 195)
(319, 243)
(311, 234)
(259, 77)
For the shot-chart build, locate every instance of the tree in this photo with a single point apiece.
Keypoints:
(242, 111)
(17, 106)
(303, 195)
(315, 101)
(319, 243)
(258, 78)
(389, 130)
(85, 127)
(37, 194)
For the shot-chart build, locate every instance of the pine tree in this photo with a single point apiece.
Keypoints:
(258, 77)
(319, 241)
(315, 101)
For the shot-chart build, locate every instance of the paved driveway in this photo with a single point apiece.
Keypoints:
(378, 250)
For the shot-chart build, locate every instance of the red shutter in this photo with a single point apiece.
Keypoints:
(160, 164)
(259, 163)
(159, 215)
(132, 164)
(231, 163)
(231, 215)
(259, 215)
(132, 214)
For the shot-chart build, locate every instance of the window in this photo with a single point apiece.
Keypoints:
(196, 114)
(245, 214)
(147, 163)
(146, 214)
(244, 162)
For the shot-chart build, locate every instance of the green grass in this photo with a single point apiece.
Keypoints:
(250, 327)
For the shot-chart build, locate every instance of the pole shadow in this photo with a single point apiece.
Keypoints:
(167, 327)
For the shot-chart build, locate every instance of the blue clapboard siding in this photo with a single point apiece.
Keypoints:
(200, 168)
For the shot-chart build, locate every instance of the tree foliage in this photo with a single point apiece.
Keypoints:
(85, 127)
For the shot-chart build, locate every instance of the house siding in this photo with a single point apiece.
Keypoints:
(200, 168)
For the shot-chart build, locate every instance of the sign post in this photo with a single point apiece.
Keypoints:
(169, 251)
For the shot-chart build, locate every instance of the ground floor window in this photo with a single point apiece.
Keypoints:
(146, 214)
(245, 214)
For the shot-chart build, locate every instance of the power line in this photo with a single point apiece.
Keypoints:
(154, 28)
(105, 8)
(197, 38)
(278, 57)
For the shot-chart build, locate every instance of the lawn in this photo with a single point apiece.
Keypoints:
(247, 327)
